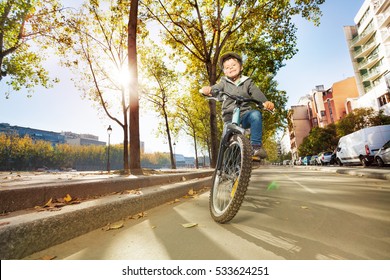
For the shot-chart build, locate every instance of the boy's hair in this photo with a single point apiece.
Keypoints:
(227, 56)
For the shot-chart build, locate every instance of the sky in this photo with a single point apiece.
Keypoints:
(323, 59)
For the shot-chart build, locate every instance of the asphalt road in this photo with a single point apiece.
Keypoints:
(303, 215)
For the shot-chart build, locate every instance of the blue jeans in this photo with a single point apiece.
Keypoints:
(254, 120)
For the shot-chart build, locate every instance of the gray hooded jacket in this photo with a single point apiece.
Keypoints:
(245, 87)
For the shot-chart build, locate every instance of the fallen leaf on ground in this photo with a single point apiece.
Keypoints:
(174, 201)
(191, 194)
(139, 216)
(67, 198)
(55, 204)
(189, 225)
(304, 207)
(116, 225)
(137, 192)
(48, 203)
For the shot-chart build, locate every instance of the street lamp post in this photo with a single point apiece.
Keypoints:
(109, 130)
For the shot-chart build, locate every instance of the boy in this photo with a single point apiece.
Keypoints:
(237, 84)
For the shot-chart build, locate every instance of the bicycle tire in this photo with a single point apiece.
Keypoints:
(230, 183)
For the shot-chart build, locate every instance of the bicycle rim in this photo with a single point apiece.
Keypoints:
(231, 181)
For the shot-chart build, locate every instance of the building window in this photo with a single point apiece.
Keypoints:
(384, 99)
(330, 110)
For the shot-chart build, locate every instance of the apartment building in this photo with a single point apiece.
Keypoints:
(298, 127)
(318, 109)
(369, 48)
(328, 106)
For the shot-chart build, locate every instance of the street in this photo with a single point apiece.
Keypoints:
(303, 215)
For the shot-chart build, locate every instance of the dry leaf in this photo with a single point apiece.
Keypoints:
(189, 225)
(174, 201)
(48, 203)
(139, 215)
(304, 207)
(191, 192)
(116, 225)
(137, 192)
(67, 198)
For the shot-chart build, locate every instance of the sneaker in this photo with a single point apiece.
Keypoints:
(258, 151)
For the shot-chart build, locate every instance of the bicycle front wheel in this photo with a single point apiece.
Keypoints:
(231, 181)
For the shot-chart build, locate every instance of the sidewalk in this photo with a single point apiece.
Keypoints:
(30, 223)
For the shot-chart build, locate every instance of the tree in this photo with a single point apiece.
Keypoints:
(361, 118)
(97, 51)
(319, 140)
(191, 121)
(135, 155)
(203, 29)
(23, 23)
(160, 90)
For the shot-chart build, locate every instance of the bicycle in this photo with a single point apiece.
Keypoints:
(233, 167)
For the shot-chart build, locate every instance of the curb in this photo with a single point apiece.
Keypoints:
(20, 197)
(26, 234)
(367, 173)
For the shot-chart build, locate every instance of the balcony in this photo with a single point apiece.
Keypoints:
(363, 37)
(365, 50)
(373, 74)
(385, 35)
(384, 19)
(368, 62)
(380, 6)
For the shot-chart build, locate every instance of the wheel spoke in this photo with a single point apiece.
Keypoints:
(229, 177)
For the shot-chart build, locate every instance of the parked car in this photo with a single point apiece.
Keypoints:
(313, 160)
(298, 161)
(333, 157)
(306, 160)
(361, 146)
(382, 157)
(324, 158)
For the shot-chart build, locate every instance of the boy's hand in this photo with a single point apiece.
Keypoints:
(206, 90)
(269, 105)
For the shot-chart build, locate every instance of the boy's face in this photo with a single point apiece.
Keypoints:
(232, 68)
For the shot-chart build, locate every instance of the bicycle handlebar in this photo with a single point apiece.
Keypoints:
(239, 98)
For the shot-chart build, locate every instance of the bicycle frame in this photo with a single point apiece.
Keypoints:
(231, 129)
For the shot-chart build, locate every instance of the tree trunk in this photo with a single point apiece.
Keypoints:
(213, 121)
(135, 158)
(172, 154)
(196, 153)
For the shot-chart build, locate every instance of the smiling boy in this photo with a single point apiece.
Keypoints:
(237, 84)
